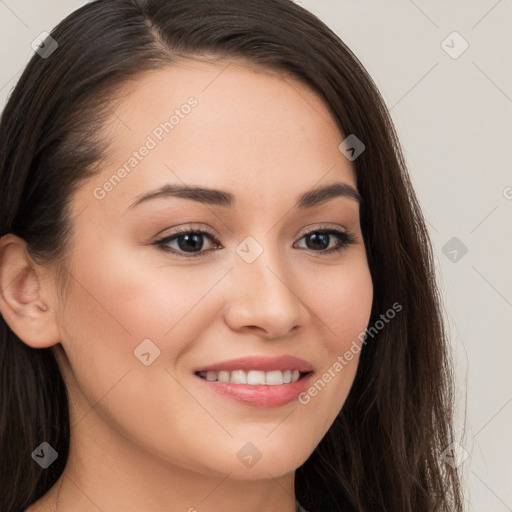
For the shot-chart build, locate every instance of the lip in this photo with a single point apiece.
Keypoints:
(262, 363)
(260, 395)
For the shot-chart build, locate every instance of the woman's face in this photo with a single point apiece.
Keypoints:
(140, 319)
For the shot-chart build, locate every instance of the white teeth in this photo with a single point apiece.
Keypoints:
(274, 378)
(253, 377)
(238, 377)
(224, 376)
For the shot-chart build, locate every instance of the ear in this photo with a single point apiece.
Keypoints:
(25, 303)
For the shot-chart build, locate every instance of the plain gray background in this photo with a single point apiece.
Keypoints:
(453, 113)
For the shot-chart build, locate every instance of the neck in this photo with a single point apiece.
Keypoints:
(106, 471)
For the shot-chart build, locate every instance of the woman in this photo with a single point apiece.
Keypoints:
(217, 284)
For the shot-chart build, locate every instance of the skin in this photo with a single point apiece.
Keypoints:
(154, 437)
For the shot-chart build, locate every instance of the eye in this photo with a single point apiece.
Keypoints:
(189, 242)
(319, 240)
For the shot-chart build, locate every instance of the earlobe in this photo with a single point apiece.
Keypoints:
(23, 301)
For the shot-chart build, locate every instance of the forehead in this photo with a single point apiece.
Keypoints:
(223, 124)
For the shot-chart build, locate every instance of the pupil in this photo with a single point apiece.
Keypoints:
(191, 242)
(319, 241)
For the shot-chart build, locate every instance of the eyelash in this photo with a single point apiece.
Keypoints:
(345, 238)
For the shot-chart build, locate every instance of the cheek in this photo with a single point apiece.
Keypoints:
(344, 309)
(112, 307)
(132, 299)
(117, 301)
(343, 303)
(158, 294)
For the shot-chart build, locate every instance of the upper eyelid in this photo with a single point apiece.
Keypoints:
(208, 232)
(193, 227)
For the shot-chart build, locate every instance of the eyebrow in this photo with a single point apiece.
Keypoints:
(226, 199)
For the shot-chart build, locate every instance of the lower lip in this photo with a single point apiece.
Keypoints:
(260, 395)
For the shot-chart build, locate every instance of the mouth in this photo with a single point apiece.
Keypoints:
(257, 380)
(253, 377)
(262, 389)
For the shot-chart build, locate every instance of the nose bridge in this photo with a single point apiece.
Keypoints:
(261, 261)
(263, 287)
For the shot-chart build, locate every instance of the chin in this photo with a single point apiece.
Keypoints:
(271, 462)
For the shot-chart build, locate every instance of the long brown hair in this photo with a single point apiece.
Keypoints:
(383, 451)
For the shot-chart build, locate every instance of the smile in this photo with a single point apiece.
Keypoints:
(253, 377)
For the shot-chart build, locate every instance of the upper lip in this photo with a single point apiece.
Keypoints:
(262, 363)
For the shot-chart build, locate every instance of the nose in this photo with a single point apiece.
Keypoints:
(264, 297)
